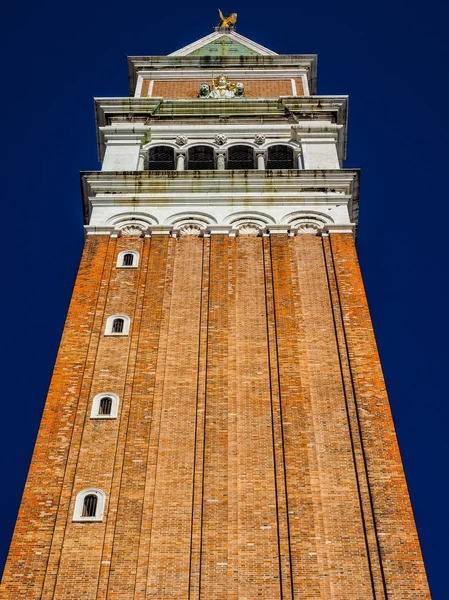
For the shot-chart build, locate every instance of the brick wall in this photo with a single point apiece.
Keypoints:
(250, 454)
(254, 88)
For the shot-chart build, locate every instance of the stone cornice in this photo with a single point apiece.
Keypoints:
(289, 188)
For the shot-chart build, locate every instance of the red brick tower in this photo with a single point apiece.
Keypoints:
(217, 425)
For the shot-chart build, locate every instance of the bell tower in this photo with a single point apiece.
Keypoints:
(217, 424)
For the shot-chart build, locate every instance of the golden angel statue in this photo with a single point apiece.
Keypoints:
(227, 21)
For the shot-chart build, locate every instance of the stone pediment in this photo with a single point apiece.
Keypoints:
(223, 44)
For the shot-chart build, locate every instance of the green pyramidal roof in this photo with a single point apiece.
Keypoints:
(223, 46)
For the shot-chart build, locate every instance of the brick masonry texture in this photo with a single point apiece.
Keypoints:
(254, 88)
(254, 453)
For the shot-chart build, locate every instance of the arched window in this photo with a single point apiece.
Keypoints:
(117, 325)
(160, 158)
(89, 505)
(128, 258)
(105, 406)
(280, 157)
(240, 157)
(200, 158)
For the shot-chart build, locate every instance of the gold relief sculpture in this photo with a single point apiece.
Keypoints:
(227, 21)
(221, 88)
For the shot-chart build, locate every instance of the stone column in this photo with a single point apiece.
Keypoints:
(221, 161)
(260, 161)
(180, 161)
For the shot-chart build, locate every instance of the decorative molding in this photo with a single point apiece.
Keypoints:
(308, 227)
(181, 140)
(250, 228)
(133, 230)
(299, 217)
(239, 218)
(221, 139)
(191, 229)
(259, 139)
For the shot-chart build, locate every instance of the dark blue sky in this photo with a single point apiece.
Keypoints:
(391, 58)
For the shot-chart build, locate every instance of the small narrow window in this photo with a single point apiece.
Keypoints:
(128, 258)
(90, 506)
(117, 325)
(105, 406)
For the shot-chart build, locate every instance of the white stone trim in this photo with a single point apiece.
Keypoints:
(139, 86)
(277, 229)
(294, 92)
(150, 88)
(303, 216)
(121, 256)
(79, 505)
(206, 74)
(219, 229)
(217, 35)
(109, 322)
(340, 228)
(161, 229)
(243, 216)
(96, 406)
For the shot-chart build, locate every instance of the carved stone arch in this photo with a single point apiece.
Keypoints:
(132, 224)
(249, 223)
(199, 142)
(261, 217)
(307, 221)
(301, 215)
(294, 145)
(242, 142)
(190, 223)
(146, 147)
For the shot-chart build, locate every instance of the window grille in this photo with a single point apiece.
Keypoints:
(160, 158)
(201, 158)
(240, 157)
(128, 260)
(90, 506)
(117, 326)
(105, 407)
(280, 157)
